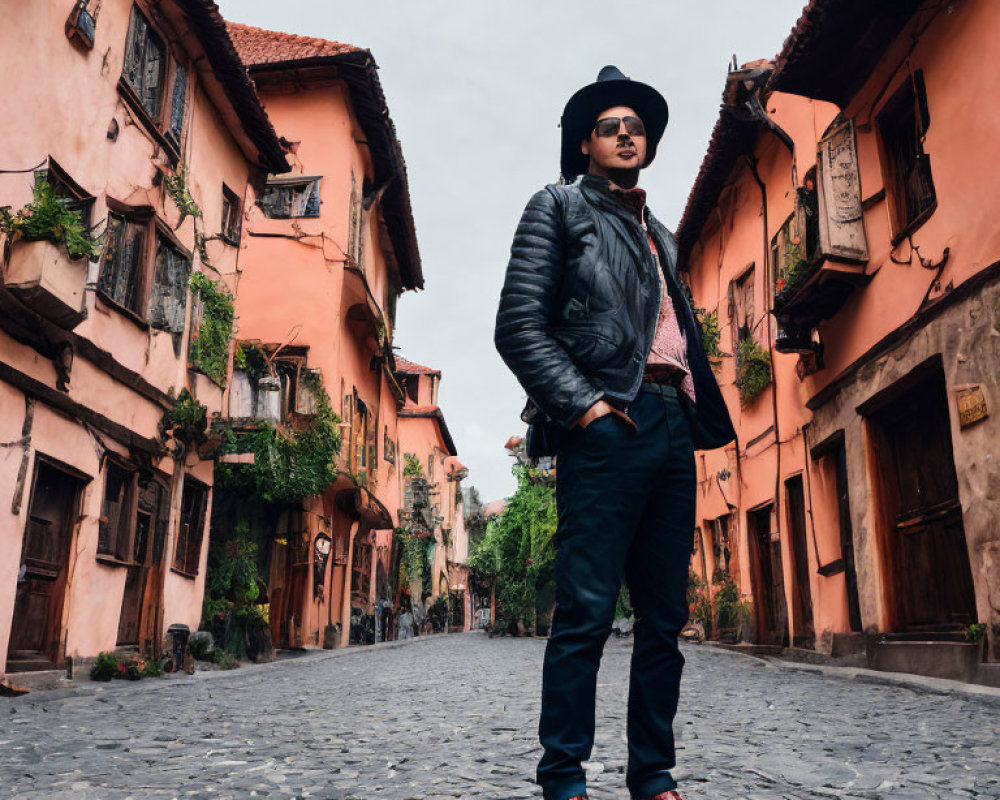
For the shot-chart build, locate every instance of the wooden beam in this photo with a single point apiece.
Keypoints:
(78, 412)
(48, 339)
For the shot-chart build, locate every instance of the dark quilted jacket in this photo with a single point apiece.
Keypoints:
(579, 307)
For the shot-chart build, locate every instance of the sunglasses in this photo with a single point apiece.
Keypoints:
(608, 126)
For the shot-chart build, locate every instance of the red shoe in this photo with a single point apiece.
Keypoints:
(671, 795)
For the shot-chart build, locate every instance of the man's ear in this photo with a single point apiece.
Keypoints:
(585, 146)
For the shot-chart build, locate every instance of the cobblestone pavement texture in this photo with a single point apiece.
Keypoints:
(454, 717)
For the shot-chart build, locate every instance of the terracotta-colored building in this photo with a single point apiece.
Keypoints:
(433, 503)
(127, 118)
(841, 224)
(330, 247)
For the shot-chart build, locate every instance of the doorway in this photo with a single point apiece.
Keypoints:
(795, 510)
(767, 577)
(924, 545)
(140, 602)
(36, 632)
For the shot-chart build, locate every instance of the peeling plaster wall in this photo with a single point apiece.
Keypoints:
(63, 109)
(968, 338)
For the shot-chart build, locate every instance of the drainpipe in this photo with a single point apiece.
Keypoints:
(345, 606)
(758, 111)
(752, 164)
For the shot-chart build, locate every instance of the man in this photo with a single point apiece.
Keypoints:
(595, 326)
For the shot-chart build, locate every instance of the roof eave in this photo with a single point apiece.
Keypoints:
(208, 25)
(816, 42)
(358, 70)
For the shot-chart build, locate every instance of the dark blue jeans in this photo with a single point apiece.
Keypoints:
(626, 502)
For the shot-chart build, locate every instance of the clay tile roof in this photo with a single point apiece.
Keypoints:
(260, 46)
(402, 365)
(433, 412)
(266, 51)
(208, 25)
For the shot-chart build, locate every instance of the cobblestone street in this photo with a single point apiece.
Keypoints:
(454, 717)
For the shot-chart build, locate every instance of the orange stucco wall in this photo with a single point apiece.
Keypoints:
(962, 131)
(296, 290)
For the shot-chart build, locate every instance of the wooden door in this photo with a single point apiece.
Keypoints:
(928, 556)
(36, 632)
(140, 601)
(795, 510)
(847, 536)
(770, 609)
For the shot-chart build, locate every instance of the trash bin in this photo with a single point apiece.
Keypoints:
(179, 635)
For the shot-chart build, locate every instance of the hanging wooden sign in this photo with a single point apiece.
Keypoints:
(971, 405)
(841, 223)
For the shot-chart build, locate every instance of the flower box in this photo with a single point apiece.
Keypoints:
(48, 281)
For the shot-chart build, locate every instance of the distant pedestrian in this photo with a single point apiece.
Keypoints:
(594, 324)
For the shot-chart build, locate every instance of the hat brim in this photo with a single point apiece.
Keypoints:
(583, 107)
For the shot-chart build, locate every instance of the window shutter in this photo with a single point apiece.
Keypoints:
(312, 200)
(133, 49)
(841, 221)
(130, 266)
(168, 298)
(112, 255)
(177, 103)
(361, 240)
(352, 230)
(152, 75)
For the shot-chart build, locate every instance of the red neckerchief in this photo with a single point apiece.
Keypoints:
(633, 199)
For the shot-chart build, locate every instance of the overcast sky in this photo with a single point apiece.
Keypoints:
(476, 90)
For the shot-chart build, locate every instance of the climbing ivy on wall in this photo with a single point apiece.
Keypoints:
(289, 463)
(210, 349)
(176, 186)
(413, 563)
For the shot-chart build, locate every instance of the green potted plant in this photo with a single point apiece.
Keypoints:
(732, 612)
(46, 254)
(753, 370)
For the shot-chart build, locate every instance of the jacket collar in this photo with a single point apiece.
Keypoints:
(598, 191)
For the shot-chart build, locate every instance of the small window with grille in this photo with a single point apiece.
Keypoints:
(231, 212)
(902, 126)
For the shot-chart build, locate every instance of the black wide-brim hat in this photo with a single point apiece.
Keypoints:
(610, 89)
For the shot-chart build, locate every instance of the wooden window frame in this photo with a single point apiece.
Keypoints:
(911, 95)
(118, 551)
(232, 213)
(161, 123)
(77, 198)
(192, 547)
(154, 233)
(360, 434)
(311, 183)
(746, 277)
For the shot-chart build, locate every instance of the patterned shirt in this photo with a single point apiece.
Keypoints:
(667, 360)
